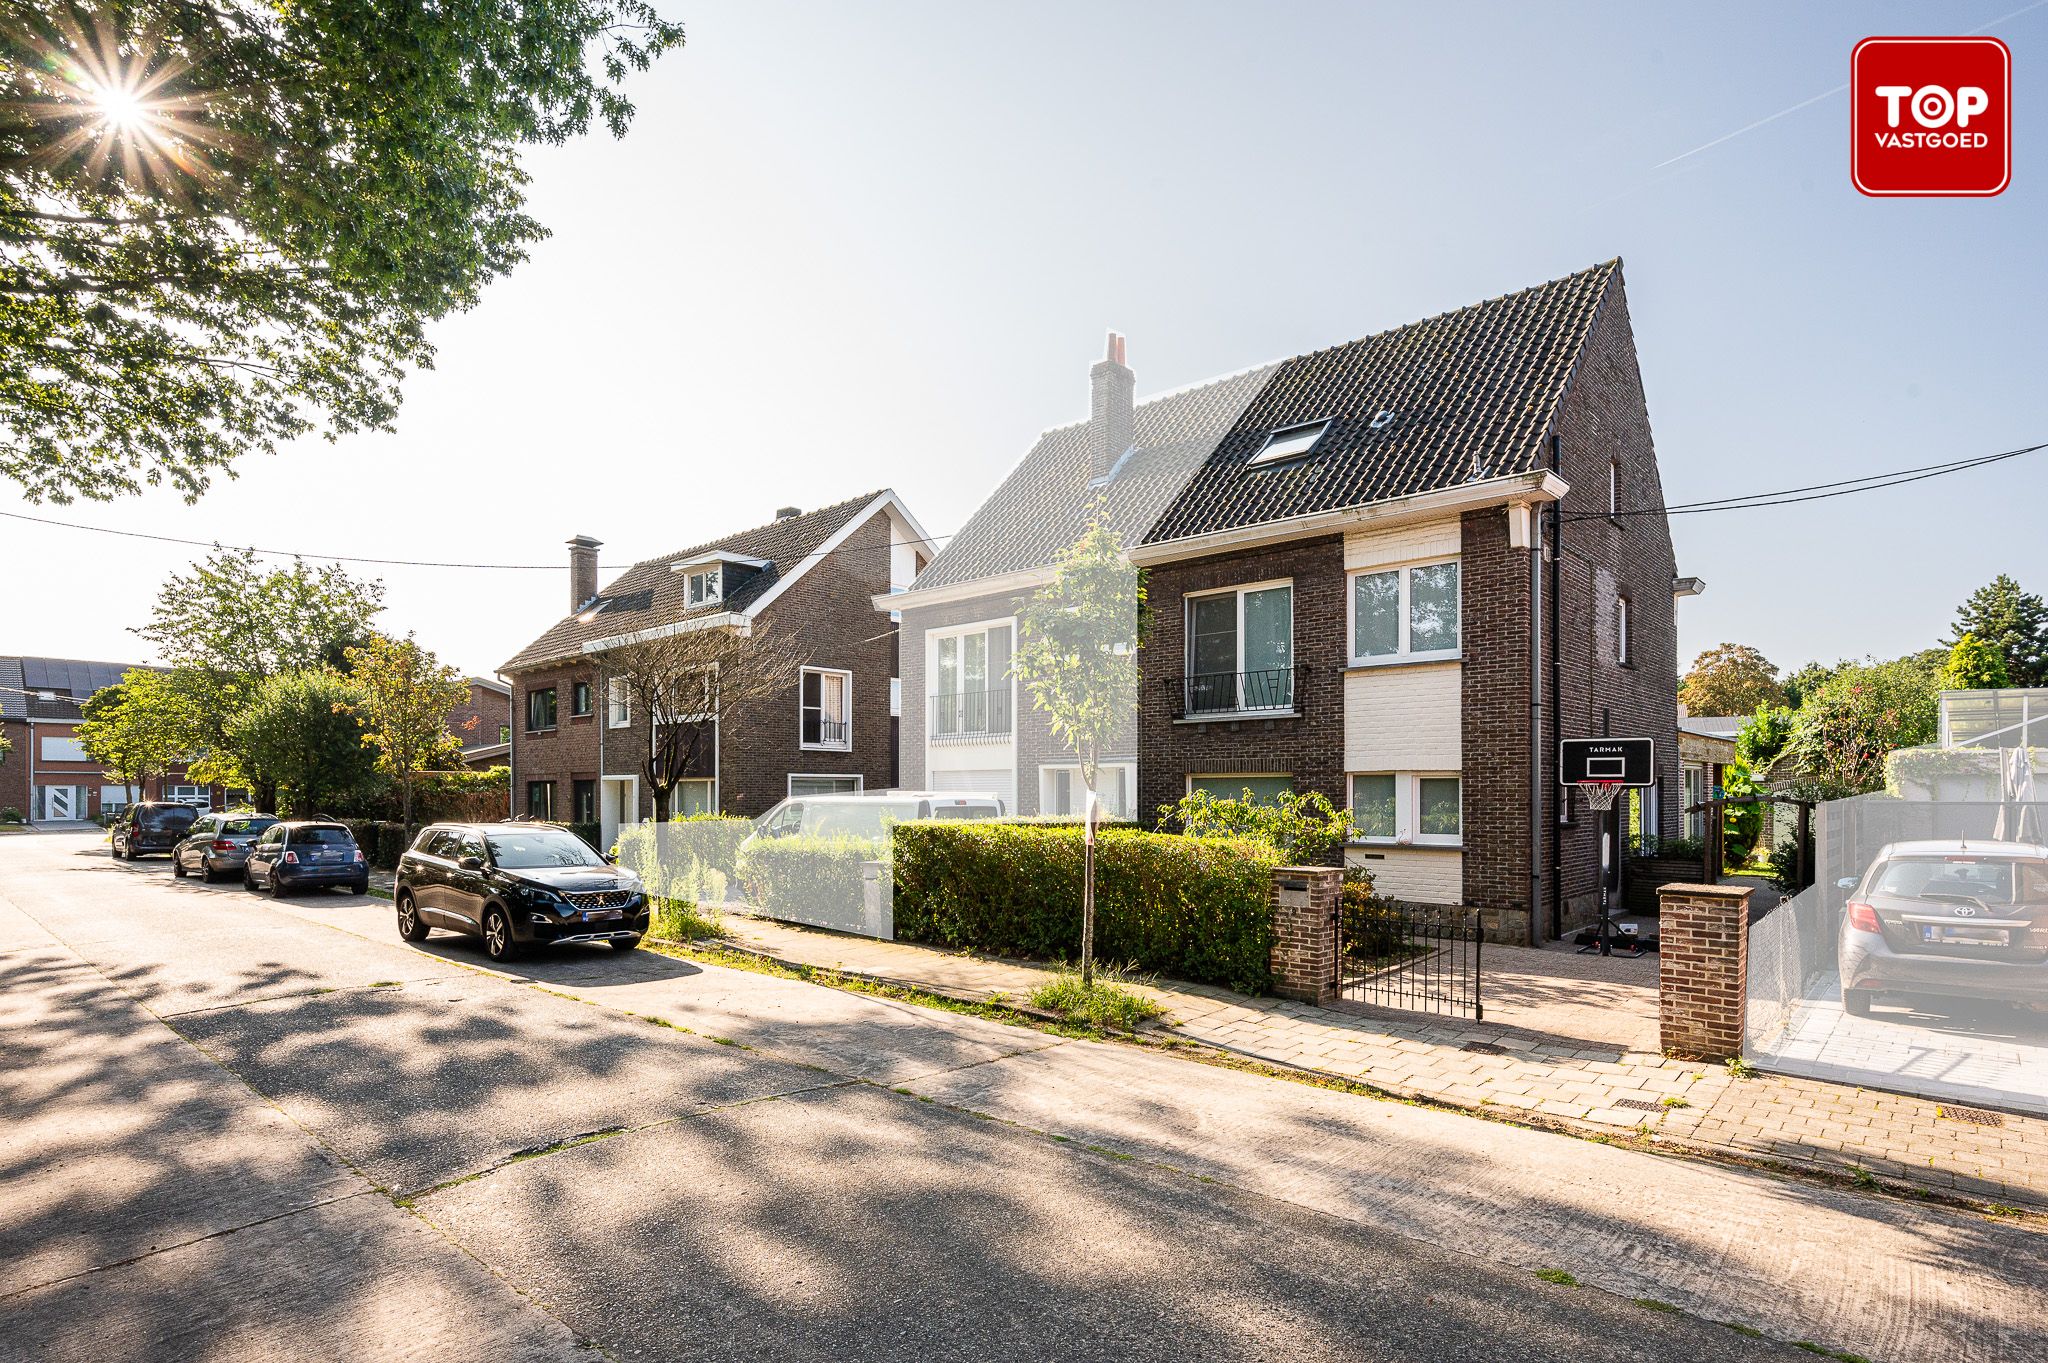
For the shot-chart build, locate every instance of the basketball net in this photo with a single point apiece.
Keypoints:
(1600, 795)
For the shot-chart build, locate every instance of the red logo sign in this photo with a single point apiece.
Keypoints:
(1930, 116)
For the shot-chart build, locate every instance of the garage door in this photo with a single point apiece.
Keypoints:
(996, 780)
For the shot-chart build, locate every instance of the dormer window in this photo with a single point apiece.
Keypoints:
(1291, 442)
(706, 586)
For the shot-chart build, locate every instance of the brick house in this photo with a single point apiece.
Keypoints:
(47, 776)
(1395, 571)
(578, 750)
(483, 723)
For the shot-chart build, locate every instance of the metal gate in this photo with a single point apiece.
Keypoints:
(1410, 956)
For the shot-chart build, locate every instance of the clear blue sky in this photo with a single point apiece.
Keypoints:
(848, 247)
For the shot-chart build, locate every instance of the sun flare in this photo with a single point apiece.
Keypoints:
(120, 109)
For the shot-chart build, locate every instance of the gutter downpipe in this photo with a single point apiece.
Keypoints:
(1535, 721)
(511, 749)
(1554, 549)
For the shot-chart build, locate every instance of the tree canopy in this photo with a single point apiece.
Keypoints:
(138, 728)
(406, 695)
(1974, 665)
(1847, 728)
(225, 224)
(2014, 622)
(298, 734)
(1732, 679)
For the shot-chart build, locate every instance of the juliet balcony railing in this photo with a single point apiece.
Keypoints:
(1265, 690)
(820, 732)
(967, 716)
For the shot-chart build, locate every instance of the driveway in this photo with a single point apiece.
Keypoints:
(246, 1129)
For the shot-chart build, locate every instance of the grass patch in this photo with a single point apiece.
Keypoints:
(1652, 1304)
(1672, 1100)
(1558, 1276)
(1748, 1330)
(1839, 1355)
(1740, 1068)
(683, 920)
(1863, 1177)
(1107, 1004)
(384, 984)
(1108, 1153)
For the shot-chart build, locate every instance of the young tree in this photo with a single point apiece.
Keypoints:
(1844, 733)
(407, 694)
(227, 223)
(298, 735)
(689, 683)
(2012, 621)
(1077, 655)
(231, 622)
(142, 726)
(1733, 679)
(1974, 665)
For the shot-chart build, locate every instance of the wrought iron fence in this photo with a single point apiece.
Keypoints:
(1410, 956)
(1216, 693)
(970, 714)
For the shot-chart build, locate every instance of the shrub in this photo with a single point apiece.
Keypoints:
(1305, 826)
(1784, 864)
(684, 858)
(799, 876)
(1375, 929)
(591, 833)
(1191, 908)
(1106, 1003)
(383, 842)
(10, 814)
(1680, 849)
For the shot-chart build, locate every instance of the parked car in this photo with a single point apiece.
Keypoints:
(305, 854)
(868, 816)
(218, 844)
(516, 885)
(151, 826)
(1953, 919)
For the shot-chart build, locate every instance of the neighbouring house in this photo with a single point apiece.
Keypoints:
(1396, 571)
(482, 723)
(579, 749)
(47, 776)
(1706, 749)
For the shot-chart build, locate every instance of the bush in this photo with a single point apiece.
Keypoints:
(592, 833)
(1190, 908)
(10, 814)
(1375, 929)
(383, 843)
(1680, 849)
(1305, 826)
(1784, 864)
(799, 876)
(684, 858)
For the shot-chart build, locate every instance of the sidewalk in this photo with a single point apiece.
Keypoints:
(1549, 1073)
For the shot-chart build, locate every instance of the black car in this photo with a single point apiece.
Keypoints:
(306, 854)
(151, 826)
(514, 885)
(218, 844)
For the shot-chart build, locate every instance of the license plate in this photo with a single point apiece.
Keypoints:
(1965, 937)
(600, 915)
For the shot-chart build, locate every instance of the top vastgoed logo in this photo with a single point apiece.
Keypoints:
(1930, 117)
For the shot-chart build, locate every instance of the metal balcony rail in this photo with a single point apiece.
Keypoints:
(1226, 693)
(971, 714)
(828, 733)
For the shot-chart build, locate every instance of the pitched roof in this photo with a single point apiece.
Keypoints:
(1712, 726)
(1423, 407)
(648, 595)
(70, 681)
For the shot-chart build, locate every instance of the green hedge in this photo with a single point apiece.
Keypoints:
(689, 859)
(802, 877)
(1189, 908)
(382, 842)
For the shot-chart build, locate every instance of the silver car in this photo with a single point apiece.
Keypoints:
(1960, 919)
(218, 844)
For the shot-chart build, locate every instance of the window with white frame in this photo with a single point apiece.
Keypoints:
(826, 718)
(1264, 788)
(802, 784)
(895, 697)
(1425, 809)
(1614, 487)
(693, 797)
(1062, 792)
(1241, 649)
(618, 702)
(706, 586)
(971, 683)
(1621, 640)
(1405, 614)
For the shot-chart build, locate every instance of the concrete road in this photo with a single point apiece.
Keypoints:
(233, 1128)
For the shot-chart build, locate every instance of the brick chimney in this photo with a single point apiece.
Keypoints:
(582, 570)
(1111, 427)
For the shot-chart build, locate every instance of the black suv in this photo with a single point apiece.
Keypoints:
(305, 854)
(516, 884)
(151, 826)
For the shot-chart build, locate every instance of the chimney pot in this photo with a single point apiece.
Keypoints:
(1112, 424)
(582, 571)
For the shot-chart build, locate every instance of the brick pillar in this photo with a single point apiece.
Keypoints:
(1305, 932)
(1702, 968)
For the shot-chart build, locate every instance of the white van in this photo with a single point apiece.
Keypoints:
(869, 816)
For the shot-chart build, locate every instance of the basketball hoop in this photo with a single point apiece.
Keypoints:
(1599, 795)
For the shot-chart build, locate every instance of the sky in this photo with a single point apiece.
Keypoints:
(845, 248)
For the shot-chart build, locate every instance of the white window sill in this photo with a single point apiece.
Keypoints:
(1235, 716)
(1452, 655)
(1414, 845)
(825, 747)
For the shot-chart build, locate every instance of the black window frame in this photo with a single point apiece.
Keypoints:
(580, 700)
(538, 699)
(542, 809)
(583, 802)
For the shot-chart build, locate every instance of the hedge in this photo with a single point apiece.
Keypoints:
(1190, 908)
(382, 842)
(805, 876)
(689, 859)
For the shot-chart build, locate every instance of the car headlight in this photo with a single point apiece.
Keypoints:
(535, 894)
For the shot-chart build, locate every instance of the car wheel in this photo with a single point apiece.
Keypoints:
(498, 943)
(624, 943)
(277, 889)
(1856, 1002)
(177, 866)
(411, 926)
(360, 887)
(207, 872)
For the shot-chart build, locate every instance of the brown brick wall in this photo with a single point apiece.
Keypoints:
(476, 721)
(569, 752)
(1494, 590)
(1311, 748)
(1702, 969)
(1305, 932)
(14, 768)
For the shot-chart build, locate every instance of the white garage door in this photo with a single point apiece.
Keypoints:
(998, 781)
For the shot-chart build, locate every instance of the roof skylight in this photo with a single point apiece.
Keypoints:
(1291, 442)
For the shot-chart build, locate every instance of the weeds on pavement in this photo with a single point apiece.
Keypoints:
(683, 920)
(1107, 1003)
